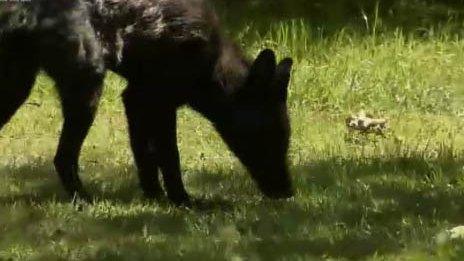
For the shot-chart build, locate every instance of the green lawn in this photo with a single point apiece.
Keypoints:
(375, 198)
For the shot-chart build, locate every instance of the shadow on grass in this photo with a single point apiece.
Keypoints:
(362, 203)
(35, 182)
(38, 182)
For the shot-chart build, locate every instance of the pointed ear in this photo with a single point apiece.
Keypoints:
(282, 78)
(263, 69)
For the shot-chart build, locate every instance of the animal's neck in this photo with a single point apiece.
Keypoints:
(217, 101)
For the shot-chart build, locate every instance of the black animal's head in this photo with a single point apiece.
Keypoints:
(258, 128)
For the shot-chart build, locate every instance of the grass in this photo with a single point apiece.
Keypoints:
(374, 198)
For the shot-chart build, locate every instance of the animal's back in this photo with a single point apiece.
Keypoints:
(175, 39)
(177, 19)
(155, 20)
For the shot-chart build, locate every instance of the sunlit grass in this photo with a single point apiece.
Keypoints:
(356, 197)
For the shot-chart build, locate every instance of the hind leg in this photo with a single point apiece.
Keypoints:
(79, 84)
(72, 56)
(80, 99)
(17, 75)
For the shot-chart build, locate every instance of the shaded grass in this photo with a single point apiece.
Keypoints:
(344, 208)
(356, 197)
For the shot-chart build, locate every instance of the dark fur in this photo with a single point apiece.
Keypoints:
(172, 54)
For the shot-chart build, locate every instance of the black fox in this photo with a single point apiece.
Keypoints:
(172, 53)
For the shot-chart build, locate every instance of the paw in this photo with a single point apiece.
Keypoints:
(153, 194)
(81, 199)
(180, 199)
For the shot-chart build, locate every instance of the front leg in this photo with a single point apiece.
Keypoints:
(152, 127)
(165, 144)
(140, 131)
